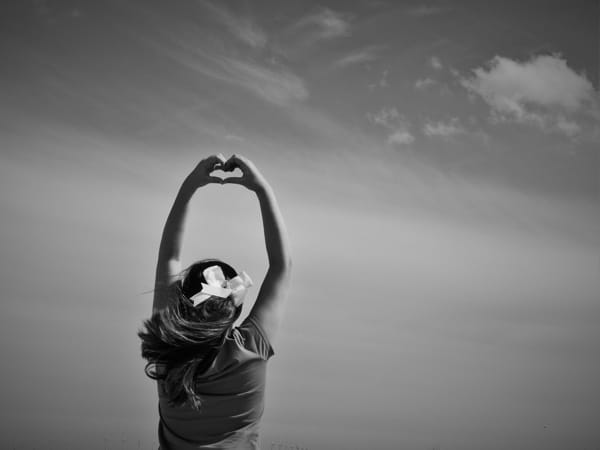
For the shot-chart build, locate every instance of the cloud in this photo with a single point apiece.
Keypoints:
(544, 80)
(386, 117)
(443, 129)
(274, 84)
(382, 82)
(249, 33)
(568, 127)
(241, 27)
(359, 56)
(262, 76)
(397, 125)
(543, 92)
(424, 83)
(280, 87)
(435, 63)
(401, 137)
(324, 24)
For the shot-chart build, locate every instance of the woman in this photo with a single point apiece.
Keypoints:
(210, 374)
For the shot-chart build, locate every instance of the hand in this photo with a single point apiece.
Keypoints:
(251, 177)
(201, 175)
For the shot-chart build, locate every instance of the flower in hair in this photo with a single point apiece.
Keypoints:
(217, 285)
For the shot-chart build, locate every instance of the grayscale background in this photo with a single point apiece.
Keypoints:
(437, 167)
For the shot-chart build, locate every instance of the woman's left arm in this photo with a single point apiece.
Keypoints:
(169, 264)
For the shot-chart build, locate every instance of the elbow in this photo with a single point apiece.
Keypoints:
(282, 266)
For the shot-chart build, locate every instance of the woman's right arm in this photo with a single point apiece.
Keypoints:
(169, 265)
(269, 306)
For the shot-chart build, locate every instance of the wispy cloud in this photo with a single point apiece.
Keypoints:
(386, 117)
(277, 86)
(567, 127)
(424, 83)
(397, 125)
(443, 129)
(242, 28)
(435, 63)
(382, 82)
(363, 55)
(543, 92)
(269, 80)
(324, 24)
(401, 137)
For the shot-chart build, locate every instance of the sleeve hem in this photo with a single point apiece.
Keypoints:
(263, 335)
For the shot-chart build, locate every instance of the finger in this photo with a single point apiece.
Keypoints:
(232, 180)
(240, 161)
(246, 166)
(230, 165)
(214, 160)
(237, 161)
(216, 180)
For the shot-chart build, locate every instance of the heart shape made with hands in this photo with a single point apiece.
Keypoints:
(234, 172)
(225, 171)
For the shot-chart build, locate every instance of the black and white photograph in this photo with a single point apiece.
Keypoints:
(300, 225)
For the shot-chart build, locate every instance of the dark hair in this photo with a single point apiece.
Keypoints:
(181, 341)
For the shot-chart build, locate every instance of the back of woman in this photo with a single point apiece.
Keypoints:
(232, 392)
(210, 374)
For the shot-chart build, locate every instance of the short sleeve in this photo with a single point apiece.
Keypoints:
(255, 338)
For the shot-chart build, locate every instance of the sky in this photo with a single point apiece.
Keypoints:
(436, 164)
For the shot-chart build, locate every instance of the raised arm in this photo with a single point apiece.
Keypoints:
(269, 306)
(169, 264)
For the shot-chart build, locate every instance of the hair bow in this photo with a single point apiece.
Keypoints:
(217, 285)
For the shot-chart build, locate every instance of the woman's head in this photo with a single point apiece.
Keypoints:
(214, 308)
(194, 277)
(180, 341)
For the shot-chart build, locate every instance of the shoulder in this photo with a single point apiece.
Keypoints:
(254, 338)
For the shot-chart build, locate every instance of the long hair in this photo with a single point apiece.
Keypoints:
(181, 341)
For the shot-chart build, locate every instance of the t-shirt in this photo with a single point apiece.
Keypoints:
(231, 394)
